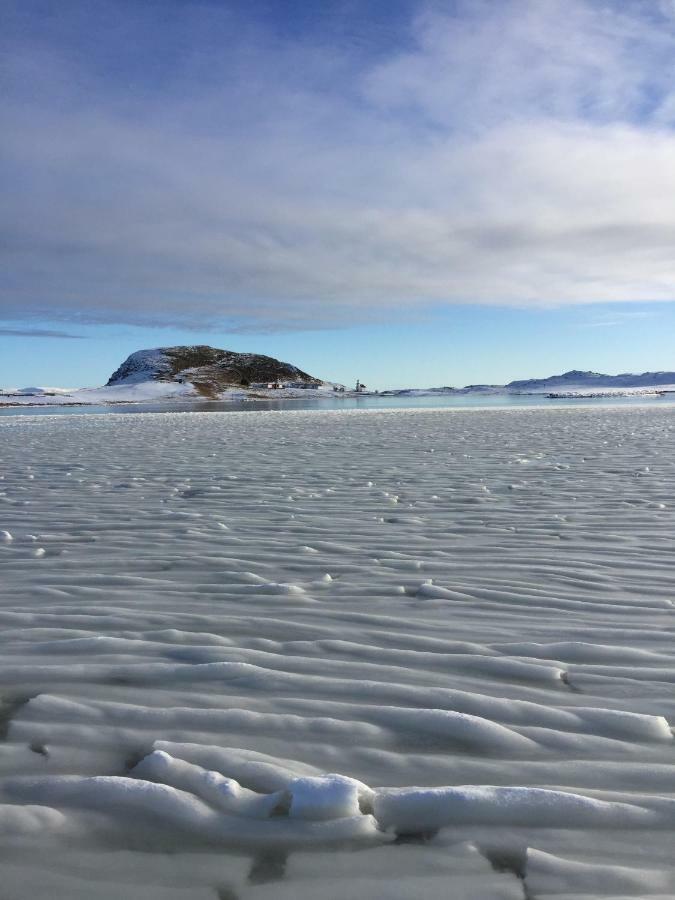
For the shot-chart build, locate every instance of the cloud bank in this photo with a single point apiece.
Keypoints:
(197, 164)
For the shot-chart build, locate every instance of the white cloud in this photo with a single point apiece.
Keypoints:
(515, 153)
(492, 62)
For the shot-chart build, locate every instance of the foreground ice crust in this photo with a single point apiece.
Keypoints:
(239, 648)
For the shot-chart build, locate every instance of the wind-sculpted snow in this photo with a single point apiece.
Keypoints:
(411, 654)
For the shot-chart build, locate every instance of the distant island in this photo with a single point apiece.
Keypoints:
(200, 372)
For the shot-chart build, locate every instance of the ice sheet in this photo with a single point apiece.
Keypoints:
(338, 654)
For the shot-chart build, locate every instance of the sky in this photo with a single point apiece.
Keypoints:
(410, 193)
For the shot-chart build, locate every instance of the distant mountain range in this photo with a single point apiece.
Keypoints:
(592, 380)
(574, 381)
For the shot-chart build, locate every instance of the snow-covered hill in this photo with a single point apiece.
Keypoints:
(208, 369)
(166, 373)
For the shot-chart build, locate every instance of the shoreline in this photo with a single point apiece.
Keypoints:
(445, 400)
(572, 405)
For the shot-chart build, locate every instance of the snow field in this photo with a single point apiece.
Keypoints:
(261, 642)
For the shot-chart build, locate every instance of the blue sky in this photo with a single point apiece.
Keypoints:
(412, 193)
(458, 346)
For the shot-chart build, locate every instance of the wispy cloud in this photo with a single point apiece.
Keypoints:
(618, 318)
(515, 152)
(38, 333)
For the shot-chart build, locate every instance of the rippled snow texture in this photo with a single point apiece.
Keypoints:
(420, 654)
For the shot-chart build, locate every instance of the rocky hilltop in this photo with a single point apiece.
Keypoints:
(208, 369)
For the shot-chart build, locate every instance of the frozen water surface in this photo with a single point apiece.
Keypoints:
(379, 654)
